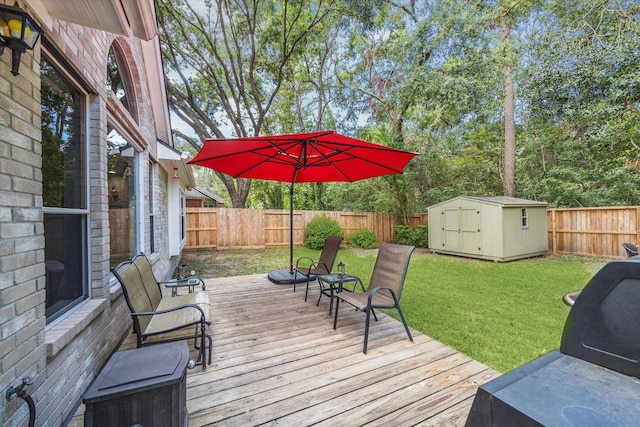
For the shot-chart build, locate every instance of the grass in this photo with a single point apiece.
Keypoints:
(501, 314)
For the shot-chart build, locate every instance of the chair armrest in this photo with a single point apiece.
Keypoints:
(169, 310)
(373, 291)
(177, 281)
(314, 266)
(318, 264)
(311, 261)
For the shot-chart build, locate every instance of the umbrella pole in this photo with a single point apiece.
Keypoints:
(286, 276)
(291, 228)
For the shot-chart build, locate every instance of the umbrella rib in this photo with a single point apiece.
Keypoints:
(351, 147)
(266, 157)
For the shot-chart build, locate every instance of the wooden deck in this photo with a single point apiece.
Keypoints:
(278, 361)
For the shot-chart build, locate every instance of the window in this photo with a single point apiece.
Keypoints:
(525, 218)
(123, 172)
(64, 192)
(115, 81)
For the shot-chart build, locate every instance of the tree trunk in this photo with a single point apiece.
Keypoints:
(509, 117)
(238, 189)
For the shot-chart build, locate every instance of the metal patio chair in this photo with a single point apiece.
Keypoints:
(309, 268)
(385, 286)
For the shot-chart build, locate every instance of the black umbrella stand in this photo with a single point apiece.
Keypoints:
(287, 276)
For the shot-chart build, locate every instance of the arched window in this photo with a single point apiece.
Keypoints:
(114, 79)
(119, 78)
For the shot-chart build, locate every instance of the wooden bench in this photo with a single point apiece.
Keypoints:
(158, 319)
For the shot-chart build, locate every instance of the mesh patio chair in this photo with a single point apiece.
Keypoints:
(385, 286)
(631, 249)
(309, 268)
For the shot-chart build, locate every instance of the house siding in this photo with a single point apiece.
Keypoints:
(64, 357)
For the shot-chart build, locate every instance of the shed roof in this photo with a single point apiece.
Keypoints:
(498, 200)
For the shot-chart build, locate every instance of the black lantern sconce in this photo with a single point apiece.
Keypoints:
(18, 32)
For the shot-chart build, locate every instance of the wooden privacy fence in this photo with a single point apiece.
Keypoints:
(593, 231)
(229, 228)
(580, 231)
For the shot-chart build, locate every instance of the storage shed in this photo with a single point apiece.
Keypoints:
(494, 228)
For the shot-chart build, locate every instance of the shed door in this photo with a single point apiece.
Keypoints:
(470, 230)
(451, 229)
(461, 229)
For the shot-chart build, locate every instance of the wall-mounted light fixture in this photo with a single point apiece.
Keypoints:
(18, 32)
(175, 173)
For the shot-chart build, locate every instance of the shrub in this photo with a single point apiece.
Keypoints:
(363, 238)
(417, 236)
(318, 229)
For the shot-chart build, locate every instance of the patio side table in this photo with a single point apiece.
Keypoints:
(335, 284)
(189, 283)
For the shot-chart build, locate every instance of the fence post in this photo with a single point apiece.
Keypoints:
(637, 228)
(554, 235)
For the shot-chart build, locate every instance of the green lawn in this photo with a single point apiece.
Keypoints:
(501, 314)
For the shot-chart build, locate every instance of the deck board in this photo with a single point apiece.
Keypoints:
(278, 362)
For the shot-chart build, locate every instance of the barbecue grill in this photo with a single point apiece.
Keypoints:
(593, 379)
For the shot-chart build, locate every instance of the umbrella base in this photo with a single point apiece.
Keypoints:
(286, 277)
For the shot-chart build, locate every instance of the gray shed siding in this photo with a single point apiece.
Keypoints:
(488, 228)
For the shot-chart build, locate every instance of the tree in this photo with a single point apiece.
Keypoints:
(227, 62)
(455, 80)
(428, 74)
(582, 89)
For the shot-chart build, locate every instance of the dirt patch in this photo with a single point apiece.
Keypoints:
(238, 262)
(213, 263)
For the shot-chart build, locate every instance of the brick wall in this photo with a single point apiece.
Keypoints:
(22, 282)
(64, 357)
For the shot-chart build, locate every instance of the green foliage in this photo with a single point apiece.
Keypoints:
(578, 147)
(268, 195)
(318, 229)
(364, 239)
(426, 77)
(417, 236)
(248, 68)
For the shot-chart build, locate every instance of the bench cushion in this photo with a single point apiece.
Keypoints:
(135, 294)
(185, 316)
(149, 281)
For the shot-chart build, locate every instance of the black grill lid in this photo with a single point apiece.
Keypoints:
(603, 326)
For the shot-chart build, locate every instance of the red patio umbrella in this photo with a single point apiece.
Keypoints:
(324, 156)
